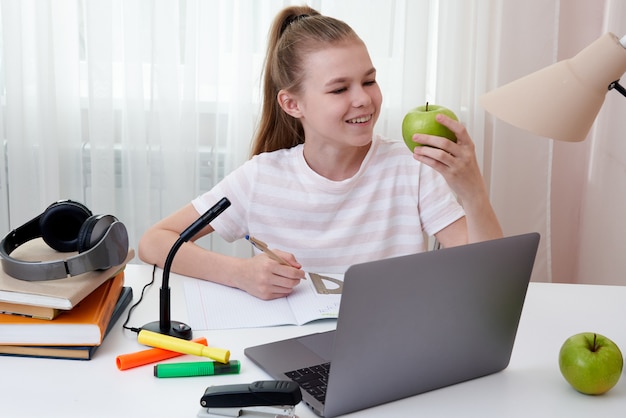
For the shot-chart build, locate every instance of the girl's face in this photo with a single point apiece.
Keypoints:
(340, 99)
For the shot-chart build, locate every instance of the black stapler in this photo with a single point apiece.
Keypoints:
(264, 398)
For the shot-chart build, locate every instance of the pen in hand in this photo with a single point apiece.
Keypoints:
(261, 246)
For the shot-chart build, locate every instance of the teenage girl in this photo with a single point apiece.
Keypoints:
(321, 189)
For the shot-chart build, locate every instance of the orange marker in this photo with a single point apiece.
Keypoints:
(152, 355)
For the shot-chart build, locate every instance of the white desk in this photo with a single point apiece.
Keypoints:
(531, 386)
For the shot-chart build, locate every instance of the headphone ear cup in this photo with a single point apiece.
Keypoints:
(61, 223)
(93, 230)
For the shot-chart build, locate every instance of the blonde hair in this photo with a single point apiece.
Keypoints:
(295, 32)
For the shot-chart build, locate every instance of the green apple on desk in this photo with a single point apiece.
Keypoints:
(591, 363)
(422, 119)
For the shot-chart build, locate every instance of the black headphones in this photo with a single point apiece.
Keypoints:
(101, 242)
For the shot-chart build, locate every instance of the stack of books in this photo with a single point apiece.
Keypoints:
(66, 318)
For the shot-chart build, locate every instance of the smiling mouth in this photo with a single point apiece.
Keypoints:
(361, 119)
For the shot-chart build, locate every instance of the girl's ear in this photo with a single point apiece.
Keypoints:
(289, 104)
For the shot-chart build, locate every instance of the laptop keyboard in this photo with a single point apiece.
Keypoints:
(312, 379)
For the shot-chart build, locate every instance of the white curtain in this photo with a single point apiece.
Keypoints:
(134, 107)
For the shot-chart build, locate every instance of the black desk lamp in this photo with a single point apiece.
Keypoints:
(165, 325)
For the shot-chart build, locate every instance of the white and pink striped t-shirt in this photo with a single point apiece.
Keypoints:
(383, 211)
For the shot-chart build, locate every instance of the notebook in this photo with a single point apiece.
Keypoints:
(411, 324)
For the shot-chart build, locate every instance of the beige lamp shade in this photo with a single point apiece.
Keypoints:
(561, 101)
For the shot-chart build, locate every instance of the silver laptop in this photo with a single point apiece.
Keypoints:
(411, 324)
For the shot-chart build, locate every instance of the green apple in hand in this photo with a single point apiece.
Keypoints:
(422, 119)
(591, 363)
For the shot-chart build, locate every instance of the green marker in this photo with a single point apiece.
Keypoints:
(196, 368)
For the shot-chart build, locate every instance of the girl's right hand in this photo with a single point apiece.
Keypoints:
(268, 279)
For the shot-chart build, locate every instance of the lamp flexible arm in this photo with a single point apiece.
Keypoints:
(617, 86)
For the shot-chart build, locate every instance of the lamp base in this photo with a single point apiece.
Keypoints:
(177, 329)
